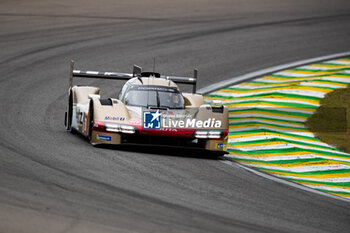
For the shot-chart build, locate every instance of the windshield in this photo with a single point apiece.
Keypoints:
(153, 96)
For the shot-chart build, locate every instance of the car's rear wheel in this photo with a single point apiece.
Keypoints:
(69, 113)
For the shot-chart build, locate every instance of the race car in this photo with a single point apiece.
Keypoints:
(149, 109)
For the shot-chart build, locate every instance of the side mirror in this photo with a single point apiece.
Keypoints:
(137, 70)
(91, 96)
(216, 103)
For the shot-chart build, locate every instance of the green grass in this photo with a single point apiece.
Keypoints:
(331, 121)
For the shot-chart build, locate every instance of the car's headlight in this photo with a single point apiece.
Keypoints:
(216, 103)
(110, 127)
(213, 134)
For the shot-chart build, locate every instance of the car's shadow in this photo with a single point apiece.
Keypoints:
(158, 149)
(164, 150)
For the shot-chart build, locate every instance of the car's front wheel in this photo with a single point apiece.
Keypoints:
(91, 119)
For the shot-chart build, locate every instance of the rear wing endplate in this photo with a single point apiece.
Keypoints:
(137, 71)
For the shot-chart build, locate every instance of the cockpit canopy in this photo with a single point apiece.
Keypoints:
(151, 96)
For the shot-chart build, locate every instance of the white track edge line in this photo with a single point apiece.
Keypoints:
(273, 69)
(255, 74)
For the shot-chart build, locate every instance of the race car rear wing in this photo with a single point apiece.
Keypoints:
(137, 72)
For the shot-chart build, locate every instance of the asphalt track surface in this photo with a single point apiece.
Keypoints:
(53, 181)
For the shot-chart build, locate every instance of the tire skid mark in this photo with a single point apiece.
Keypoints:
(216, 31)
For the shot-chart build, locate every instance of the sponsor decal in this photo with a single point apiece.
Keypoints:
(151, 120)
(104, 138)
(220, 145)
(85, 124)
(113, 118)
(135, 122)
(176, 116)
(168, 129)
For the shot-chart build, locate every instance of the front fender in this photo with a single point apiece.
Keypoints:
(114, 111)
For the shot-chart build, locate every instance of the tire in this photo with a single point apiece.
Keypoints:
(215, 154)
(91, 119)
(69, 113)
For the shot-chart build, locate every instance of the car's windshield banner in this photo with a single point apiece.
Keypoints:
(155, 88)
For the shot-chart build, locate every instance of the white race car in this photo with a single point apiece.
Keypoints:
(150, 109)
